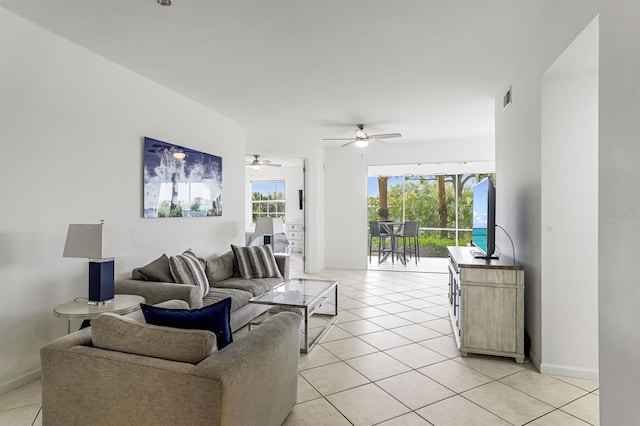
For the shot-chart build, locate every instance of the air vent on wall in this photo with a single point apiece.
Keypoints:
(506, 100)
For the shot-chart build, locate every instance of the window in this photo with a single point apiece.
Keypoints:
(267, 199)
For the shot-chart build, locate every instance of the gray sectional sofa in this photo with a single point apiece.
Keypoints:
(126, 372)
(224, 281)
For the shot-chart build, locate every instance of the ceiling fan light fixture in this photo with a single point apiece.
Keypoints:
(255, 166)
(362, 139)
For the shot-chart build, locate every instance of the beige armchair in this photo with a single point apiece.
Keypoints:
(253, 381)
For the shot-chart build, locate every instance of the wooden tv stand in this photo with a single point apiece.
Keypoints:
(486, 304)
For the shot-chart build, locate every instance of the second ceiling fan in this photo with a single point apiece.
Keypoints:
(362, 139)
(256, 164)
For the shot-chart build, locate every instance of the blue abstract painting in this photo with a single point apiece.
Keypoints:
(180, 182)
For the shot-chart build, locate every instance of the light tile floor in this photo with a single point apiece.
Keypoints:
(391, 359)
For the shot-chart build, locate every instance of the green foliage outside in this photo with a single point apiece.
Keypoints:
(271, 205)
(432, 245)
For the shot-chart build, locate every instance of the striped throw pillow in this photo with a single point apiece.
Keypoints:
(256, 262)
(187, 268)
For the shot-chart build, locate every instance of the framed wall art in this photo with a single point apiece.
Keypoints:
(180, 182)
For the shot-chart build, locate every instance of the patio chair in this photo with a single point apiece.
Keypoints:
(409, 231)
(376, 231)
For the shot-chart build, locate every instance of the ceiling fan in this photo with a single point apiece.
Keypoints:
(257, 163)
(362, 139)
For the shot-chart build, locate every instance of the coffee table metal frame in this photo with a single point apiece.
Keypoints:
(292, 295)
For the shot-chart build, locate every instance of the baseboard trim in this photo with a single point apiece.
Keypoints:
(20, 381)
(570, 371)
(534, 360)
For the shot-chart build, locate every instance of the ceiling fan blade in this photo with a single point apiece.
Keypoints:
(271, 165)
(386, 136)
(338, 139)
(348, 143)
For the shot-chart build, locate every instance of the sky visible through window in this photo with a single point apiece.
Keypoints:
(372, 184)
(266, 188)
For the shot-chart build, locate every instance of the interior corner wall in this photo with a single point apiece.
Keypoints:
(346, 188)
(72, 125)
(518, 199)
(619, 212)
(570, 210)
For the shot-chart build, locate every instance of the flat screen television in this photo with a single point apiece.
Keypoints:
(483, 234)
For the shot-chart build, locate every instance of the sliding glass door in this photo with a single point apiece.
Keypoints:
(441, 203)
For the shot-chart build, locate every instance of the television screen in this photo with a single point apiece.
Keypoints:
(484, 217)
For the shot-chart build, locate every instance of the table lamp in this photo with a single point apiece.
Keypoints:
(268, 226)
(100, 244)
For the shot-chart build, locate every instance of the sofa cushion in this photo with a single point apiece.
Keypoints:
(219, 268)
(188, 268)
(117, 333)
(239, 298)
(158, 270)
(214, 318)
(256, 262)
(256, 286)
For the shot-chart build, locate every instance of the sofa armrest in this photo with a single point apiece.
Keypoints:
(155, 292)
(81, 337)
(265, 360)
(283, 260)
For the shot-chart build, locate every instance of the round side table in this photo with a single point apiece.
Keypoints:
(79, 309)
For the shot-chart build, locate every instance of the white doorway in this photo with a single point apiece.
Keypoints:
(275, 188)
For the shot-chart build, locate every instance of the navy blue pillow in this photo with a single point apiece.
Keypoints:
(214, 318)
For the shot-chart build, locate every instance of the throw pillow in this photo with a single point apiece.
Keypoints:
(187, 268)
(256, 262)
(117, 333)
(158, 270)
(219, 268)
(215, 318)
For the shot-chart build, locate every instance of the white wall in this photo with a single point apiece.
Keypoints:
(346, 189)
(570, 210)
(518, 198)
(619, 212)
(72, 125)
(314, 210)
(293, 181)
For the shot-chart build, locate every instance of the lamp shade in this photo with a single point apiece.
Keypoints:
(269, 225)
(98, 241)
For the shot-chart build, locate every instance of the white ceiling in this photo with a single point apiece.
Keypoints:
(294, 71)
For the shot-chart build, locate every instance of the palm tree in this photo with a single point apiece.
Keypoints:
(442, 206)
(383, 209)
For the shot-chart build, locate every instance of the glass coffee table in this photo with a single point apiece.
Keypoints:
(308, 297)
